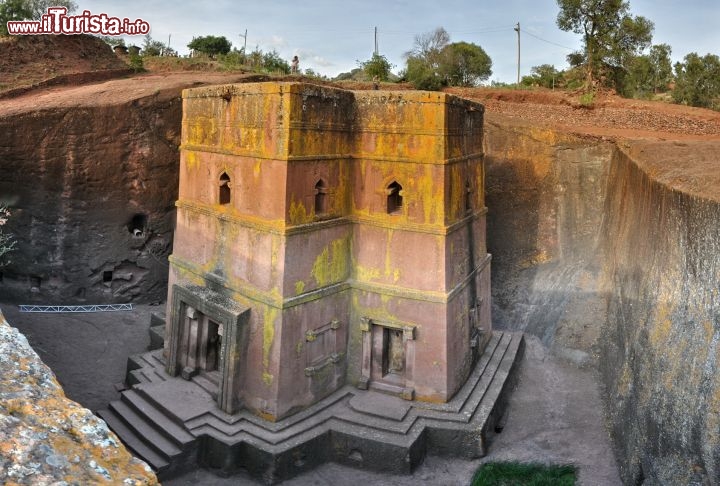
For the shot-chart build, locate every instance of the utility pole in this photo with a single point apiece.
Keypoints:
(245, 46)
(376, 44)
(517, 29)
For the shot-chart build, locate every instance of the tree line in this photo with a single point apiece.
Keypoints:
(616, 53)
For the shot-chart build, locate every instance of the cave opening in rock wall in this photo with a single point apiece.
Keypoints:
(137, 224)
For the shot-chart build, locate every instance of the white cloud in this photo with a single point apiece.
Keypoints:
(277, 42)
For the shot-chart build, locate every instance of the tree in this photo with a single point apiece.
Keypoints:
(434, 62)
(697, 81)
(544, 75)
(152, 47)
(649, 74)
(610, 35)
(13, 10)
(662, 70)
(38, 8)
(465, 64)
(273, 63)
(29, 10)
(7, 241)
(377, 66)
(210, 45)
(422, 75)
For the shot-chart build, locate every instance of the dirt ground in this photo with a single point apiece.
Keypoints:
(555, 413)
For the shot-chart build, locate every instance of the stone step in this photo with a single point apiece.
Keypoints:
(157, 319)
(135, 377)
(460, 399)
(133, 442)
(168, 427)
(489, 375)
(493, 401)
(207, 383)
(145, 368)
(147, 431)
(157, 337)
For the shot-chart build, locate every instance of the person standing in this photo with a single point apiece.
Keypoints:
(294, 65)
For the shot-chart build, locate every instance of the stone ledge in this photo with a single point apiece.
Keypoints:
(46, 438)
(354, 427)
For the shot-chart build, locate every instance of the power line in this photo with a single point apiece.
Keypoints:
(547, 41)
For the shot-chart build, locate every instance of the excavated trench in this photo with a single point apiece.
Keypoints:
(607, 251)
(610, 253)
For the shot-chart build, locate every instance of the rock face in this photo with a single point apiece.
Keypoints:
(609, 252)
(659, 353)
(91, 189)
(547, 193)
(46, 438)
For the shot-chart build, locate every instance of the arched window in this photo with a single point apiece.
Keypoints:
(320, 197)
(224, 196)
(394, 198)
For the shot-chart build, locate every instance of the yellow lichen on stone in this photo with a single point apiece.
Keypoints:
(51, 438)
(298, 213)
(662, 325)
(365, 274)
(191, 160)
(269, 318)
(332, 264)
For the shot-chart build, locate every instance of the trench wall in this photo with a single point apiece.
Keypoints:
(610, 252)
(659, 355)
(92, 191)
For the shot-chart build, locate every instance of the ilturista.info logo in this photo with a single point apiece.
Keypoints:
(57, 21)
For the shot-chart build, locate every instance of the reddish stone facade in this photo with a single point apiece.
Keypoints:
(327, 238)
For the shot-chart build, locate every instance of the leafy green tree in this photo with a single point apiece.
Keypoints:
(649, 74)
(255, 58)
(311, 73)
(697, 81)
(38, 8)
(273, 63)
(422, 75)
(377, 66)
(464, 64)
(544, 75)
(152, 47)
(28, 10)
(661, 66)
(611, 36)
(210, 45)
(434, 62)
(233, 60)
(13, 10)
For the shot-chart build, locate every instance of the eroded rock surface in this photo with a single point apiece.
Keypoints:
(91, 175)
(46, 438)
(608, 251)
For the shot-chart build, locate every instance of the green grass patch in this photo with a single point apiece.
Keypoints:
(516, 474)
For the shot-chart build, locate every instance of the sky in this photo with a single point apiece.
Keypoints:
(332, 36)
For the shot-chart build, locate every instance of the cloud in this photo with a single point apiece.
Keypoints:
(309, 57)
(322, 62)
(277, 42)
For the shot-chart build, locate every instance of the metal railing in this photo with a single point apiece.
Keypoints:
(76, 308)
